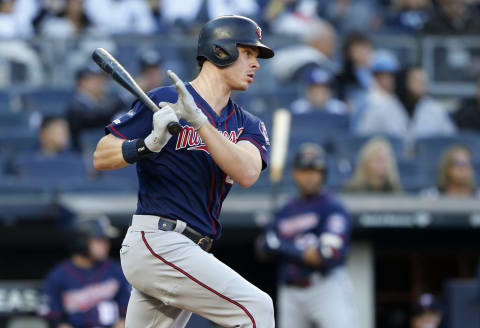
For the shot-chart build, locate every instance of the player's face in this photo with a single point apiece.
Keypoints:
(426, 320)
(241, 73)
(318, 94)
(461, 171)
(309, 181)
(98, 248)
(386, 81)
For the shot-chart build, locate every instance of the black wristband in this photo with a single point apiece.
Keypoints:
(134, 150)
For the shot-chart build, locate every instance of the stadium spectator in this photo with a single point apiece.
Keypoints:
(355, 78)
(122, 16)
(318, 95)
(90, 106)
(54, 137)
(407, 16)
(467, 116)
(64, 19)
(383, 113)
(15, 19)
(426, 313)
(453, 17)
(88, 289)
(352, 15)
(376, 169)
(151, 75)
(456, 176)
(317, 49)
(427, 117)
(191, 14)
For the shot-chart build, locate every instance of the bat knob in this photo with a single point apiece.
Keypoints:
(174, 128)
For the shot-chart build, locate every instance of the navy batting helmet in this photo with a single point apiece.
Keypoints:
(310, 156)
(225, 33)
(85, 229)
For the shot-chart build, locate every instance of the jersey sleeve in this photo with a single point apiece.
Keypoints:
(54, 312)
(335, 237)
(279, 245)
(256, 133)
(137, 122)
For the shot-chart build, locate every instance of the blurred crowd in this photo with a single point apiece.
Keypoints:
(67, 18)
(343, 87)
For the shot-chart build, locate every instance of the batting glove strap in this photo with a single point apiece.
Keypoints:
(134, 150)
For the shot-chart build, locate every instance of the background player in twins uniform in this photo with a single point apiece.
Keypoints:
(310, 236)
(183, 181)
(88, 290)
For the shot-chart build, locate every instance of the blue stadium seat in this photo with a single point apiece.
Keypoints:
(431, 149)
(64, 170)
(4, 101)
(14, 140)
(90, 138)
(126, 175)
(410, 176)
(10, 119)
(49, 101)
(348, 147)
(318, 127)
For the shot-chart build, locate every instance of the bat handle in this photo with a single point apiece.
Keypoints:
(174, 128)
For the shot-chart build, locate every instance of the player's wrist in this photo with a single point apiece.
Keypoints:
(199, 121)
(135, 150)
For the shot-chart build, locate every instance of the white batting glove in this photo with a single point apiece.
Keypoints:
(185, 106)
(159, 136)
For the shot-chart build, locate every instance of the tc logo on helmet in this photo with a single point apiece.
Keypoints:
(259, 32)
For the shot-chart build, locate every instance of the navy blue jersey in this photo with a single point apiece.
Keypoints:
(319, 222)
(183, 181)
(94, 297)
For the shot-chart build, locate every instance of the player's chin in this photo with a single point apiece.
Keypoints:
(243, 86)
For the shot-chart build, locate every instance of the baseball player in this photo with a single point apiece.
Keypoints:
(310, 236)
(88, 290)
(183, 181)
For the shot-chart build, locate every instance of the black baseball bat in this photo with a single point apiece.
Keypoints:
(113, 68)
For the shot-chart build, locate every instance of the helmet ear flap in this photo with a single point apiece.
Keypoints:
(223, 54)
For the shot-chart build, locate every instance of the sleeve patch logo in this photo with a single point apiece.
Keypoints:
(263, 129)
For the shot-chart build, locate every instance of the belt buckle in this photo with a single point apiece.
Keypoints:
(205, 243)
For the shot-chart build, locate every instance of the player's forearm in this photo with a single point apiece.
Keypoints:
(237, 162)
(108, 155)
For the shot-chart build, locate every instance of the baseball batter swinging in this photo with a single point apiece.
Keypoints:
(183, 181)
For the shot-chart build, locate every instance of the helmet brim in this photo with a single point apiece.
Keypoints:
(263, 51)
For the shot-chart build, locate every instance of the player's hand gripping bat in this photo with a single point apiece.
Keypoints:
(113, 68)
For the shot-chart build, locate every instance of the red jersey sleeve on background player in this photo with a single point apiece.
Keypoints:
(256, 132)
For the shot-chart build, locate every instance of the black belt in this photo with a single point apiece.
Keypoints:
(204, 242)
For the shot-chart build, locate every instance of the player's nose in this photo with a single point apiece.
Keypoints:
(255, 64)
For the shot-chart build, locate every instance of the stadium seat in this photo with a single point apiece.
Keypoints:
(4, 101)
(14, 140)
(348, 147)
(411, 178)
(90, 138)
(49, 101)
(431, 149)
(10, 119)
(318, 127)
(54, 172)
(126, 175)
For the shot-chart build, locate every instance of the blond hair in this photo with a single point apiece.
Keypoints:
(445, 164)
(360, 180)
